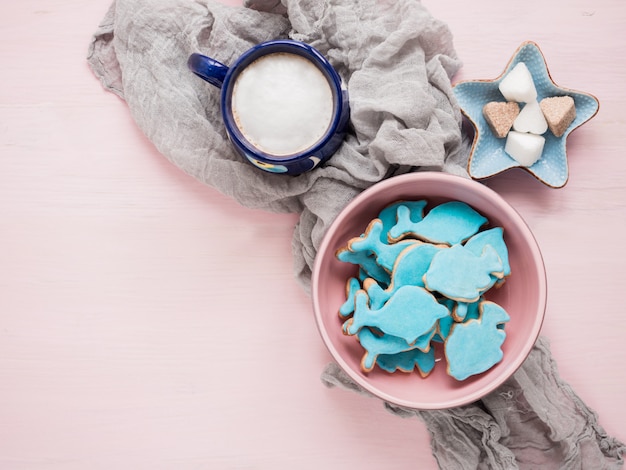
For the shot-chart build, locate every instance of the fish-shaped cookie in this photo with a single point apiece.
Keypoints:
(450, 223)
(495, 238)
(410, 312)
(474, 346)
(373, 242)
(407, 361)
(459, 274)
(347, 308)
(408, 270)
(377, 344)
(389, 215)
(366, 262)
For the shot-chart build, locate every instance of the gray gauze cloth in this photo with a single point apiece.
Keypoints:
(397, 61)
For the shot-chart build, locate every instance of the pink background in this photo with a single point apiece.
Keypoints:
(139, 321)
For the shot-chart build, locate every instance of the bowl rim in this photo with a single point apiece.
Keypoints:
(501, 204)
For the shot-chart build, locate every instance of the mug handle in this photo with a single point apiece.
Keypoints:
(207, 69)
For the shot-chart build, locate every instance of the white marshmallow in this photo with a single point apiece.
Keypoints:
(523, 147)
(518, 85)
(531, 119)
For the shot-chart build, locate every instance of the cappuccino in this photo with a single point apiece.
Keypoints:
(282, 103)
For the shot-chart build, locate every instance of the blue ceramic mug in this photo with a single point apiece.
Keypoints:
(284, 106)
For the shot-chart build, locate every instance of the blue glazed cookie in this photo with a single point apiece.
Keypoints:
(377, 344)
(421, 280)
(347, 308)
(408, 270)
(474, 346)
(373, 242)
(449, 223)
(411, 312)
(495, 238)
(389, 215)
(366, 262)
(408, 361)
(460, 275)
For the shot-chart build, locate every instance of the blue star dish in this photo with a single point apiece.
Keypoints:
(487, 157)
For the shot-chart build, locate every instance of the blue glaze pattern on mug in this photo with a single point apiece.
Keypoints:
(224, 77)
(270, 167)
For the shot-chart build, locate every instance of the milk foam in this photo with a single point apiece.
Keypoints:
(282, 103)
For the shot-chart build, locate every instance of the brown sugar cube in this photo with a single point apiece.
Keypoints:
(500, 116)
(560, 112)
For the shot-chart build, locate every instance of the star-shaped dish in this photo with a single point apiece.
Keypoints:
(487, 157)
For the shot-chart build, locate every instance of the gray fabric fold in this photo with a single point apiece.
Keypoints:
(534, 420)
(397, 61)
(394, 56)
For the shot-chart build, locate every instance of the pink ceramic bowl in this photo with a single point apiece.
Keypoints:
(523, 295)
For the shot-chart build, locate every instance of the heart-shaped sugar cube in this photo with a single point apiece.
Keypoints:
(531, 119)
(524, 147)
(500, 116)
(560, 112)
(518, 85)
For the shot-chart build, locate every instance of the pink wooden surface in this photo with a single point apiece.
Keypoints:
(140, 325)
